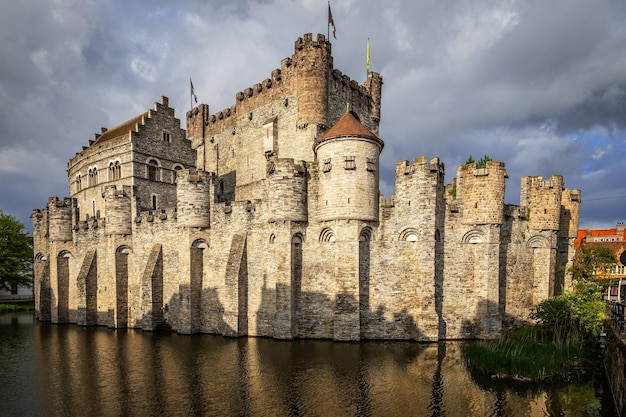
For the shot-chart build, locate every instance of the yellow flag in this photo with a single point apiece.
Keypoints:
(367, 56)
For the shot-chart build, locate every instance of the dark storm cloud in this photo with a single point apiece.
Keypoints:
(538, 85)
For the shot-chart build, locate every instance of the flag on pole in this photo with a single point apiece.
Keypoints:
(193, 92)
(331, 22)
(367, 56)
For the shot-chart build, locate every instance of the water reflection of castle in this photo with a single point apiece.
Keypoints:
(208, 375)
(265, 219)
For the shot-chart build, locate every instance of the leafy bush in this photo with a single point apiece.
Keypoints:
(567, 325)
(573, 318)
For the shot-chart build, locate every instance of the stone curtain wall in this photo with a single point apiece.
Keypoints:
(260, 238)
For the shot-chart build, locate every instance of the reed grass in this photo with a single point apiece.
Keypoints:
(528, 354)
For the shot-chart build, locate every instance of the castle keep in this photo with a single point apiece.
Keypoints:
(265, 219)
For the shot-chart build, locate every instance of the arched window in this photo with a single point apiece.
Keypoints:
(176, 168)
(79, 182)
(154, 171)
(95, 176)
(90, 179)
(154, 201)
(115, 170)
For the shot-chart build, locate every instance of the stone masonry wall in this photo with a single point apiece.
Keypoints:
(259, 239)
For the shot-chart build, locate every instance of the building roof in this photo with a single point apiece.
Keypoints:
(349, 125)
(584, 234)
(122, 129)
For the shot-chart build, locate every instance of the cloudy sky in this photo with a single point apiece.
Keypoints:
(539, 85)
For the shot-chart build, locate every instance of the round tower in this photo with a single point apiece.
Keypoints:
(482, 192)
(348, 156)
(287, 191)
(60, 215)
(119, 212)
(193, 198)
(313, 63)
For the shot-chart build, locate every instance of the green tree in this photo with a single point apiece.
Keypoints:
(575, 317)
(16, 253)
(592, 262)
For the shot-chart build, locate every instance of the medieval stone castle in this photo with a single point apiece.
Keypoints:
(265, 219)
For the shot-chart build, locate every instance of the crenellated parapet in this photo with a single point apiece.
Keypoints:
(542, 199)
(418, 202)
(411, 177)
(155, 216)
(201, 123)
(480, 192)
(308, 77)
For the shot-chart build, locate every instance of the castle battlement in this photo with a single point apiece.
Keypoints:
(294, 70)
(161, 215)
(266, 219)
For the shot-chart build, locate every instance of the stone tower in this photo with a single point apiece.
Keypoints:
(348, 156)
(193, 192)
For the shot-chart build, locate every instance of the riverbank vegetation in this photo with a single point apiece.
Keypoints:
(563, 341)
(16, 254)
(17, 305)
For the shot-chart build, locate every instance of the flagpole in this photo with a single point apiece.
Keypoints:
(367, 57)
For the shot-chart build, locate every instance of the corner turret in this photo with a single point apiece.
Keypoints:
(348, 156)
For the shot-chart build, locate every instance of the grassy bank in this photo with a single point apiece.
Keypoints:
(17, 305)
(526, 355)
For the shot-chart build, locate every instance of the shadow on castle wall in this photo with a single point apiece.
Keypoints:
(316, 316)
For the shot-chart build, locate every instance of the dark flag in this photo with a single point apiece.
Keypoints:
(193, 93)
(331, 22)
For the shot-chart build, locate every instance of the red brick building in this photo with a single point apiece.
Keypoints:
(614, 238)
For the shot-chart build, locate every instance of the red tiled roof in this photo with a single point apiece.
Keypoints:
(583, 233)
(122, 129)
(349, 126)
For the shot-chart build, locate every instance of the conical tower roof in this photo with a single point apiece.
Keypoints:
(349, 126)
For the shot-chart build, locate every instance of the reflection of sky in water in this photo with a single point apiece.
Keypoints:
(71, 370)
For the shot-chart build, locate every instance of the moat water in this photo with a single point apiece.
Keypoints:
(67, 370)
